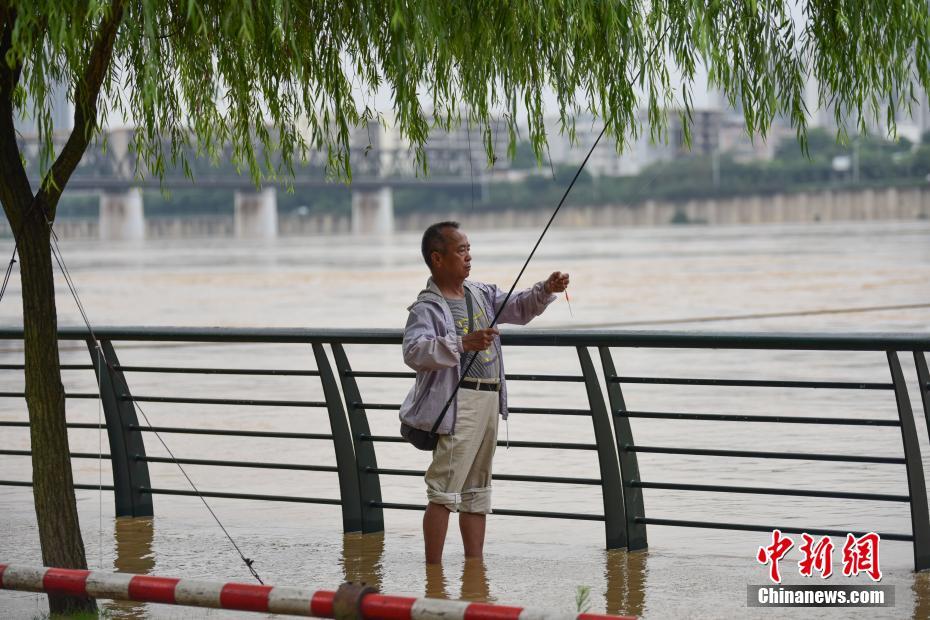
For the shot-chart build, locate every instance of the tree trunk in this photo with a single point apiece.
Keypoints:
(56, 508)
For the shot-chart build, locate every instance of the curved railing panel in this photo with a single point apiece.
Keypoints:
(127, 449)
(611, 486)
(920, 521)
(366, 462)
(629, 464)
(342, 442)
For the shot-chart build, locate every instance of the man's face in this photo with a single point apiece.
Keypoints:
(455, 262)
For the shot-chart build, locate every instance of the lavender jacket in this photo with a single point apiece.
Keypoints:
(433, 349)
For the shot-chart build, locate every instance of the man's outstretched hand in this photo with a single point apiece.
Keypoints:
(556, 283)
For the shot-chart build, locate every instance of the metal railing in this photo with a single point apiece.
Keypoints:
(356, 466)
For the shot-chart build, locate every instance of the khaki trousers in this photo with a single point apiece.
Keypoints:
(459, 477)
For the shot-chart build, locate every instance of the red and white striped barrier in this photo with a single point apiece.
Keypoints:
(350, 601)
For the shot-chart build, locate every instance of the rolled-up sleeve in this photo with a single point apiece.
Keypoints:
(425, 348)
(523, 306)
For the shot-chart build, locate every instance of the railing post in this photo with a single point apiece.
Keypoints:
(342, 442)
(369, 481)
(629, 464)
(923, 378)
(127, 449)
(611, 485)
(917, 489)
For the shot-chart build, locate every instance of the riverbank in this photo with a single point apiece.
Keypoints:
(889, 204)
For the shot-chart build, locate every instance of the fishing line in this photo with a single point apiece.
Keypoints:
(471, 170)
(758, 315)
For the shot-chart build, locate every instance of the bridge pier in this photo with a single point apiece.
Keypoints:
(256, 214)
(373, 211)
(121, 215)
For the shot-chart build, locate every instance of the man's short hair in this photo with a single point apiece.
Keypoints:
(434, 240)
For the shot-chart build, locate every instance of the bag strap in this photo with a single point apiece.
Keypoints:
(469, 304)
(471, 311)
(471, 320)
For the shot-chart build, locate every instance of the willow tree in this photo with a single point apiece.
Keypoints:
(289, 76)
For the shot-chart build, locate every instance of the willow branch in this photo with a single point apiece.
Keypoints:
(86, 94)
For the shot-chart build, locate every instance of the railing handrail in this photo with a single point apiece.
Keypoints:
(621, 484)
(516, 336)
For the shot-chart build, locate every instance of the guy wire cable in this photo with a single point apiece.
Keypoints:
(56, 252)
(9, 267)
(6, 280)
(100, 460)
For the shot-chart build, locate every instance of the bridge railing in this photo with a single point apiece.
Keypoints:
(359, 477)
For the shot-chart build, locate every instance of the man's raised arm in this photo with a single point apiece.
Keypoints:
(527, 304)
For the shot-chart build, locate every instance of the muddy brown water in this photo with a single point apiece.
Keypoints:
(617, 276)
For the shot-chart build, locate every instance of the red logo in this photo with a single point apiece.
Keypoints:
(773, 553)
(817, 557)
(860, 555)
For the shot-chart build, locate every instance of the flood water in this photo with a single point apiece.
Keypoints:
(619, 277)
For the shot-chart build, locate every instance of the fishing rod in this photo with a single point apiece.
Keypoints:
(445, 408)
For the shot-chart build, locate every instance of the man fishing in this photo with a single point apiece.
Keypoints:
(452, 341)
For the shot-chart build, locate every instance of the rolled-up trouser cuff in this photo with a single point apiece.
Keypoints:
(470, 500)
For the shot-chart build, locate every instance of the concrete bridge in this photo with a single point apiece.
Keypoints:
(381, 162)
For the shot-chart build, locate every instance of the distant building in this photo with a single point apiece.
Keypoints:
(604, 161)
(641, 151)
(737, 143)
(461, 150)
(457, 152)
(705, 132)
